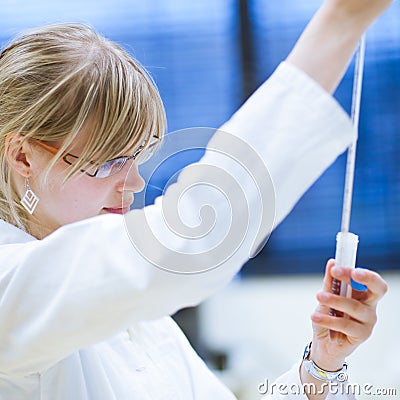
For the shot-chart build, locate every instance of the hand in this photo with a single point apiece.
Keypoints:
(361, 309)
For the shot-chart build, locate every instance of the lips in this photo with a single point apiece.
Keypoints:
(118, 210)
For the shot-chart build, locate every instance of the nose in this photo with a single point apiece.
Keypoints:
(131, 181)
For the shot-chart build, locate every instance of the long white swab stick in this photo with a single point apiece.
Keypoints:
(351, 153)
(347, 242)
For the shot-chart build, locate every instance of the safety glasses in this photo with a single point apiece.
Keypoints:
(110, 167)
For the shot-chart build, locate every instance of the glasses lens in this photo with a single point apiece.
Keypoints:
(146, 154)
(114, 166)
(110, 167)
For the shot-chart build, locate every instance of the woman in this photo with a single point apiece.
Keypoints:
(84, 306)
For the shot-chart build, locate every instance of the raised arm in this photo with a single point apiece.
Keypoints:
(327, 44)
(87, 281)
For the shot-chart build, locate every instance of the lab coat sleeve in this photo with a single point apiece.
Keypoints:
(289, 387)
(89, 279)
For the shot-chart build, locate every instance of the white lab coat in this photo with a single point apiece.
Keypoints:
(85, 317)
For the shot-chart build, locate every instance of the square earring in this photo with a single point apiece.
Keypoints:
(29, 200)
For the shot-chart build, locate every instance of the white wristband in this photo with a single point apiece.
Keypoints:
(321, 374)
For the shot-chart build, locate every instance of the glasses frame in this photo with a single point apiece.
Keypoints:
(53, 150)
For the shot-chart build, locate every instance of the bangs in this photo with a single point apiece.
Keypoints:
(128, 113)
(118, 107)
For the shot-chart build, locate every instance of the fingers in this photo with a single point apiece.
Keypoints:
(355, 309)
(377, 286)
(360, 309)
(327, 284)
(355, 331)
(328, 275)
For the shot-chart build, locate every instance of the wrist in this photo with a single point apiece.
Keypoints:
(322, 359)
(311, 372)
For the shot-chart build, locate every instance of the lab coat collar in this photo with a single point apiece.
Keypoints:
(11, 234)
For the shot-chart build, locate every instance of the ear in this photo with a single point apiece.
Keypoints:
(18, 153)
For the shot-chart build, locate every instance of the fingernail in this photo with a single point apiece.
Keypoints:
(338, 271)
(324, 296)
(359, 273)
(316, 317)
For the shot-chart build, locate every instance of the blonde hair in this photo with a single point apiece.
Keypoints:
(59, 79)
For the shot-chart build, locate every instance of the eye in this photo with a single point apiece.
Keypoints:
(110, 167)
